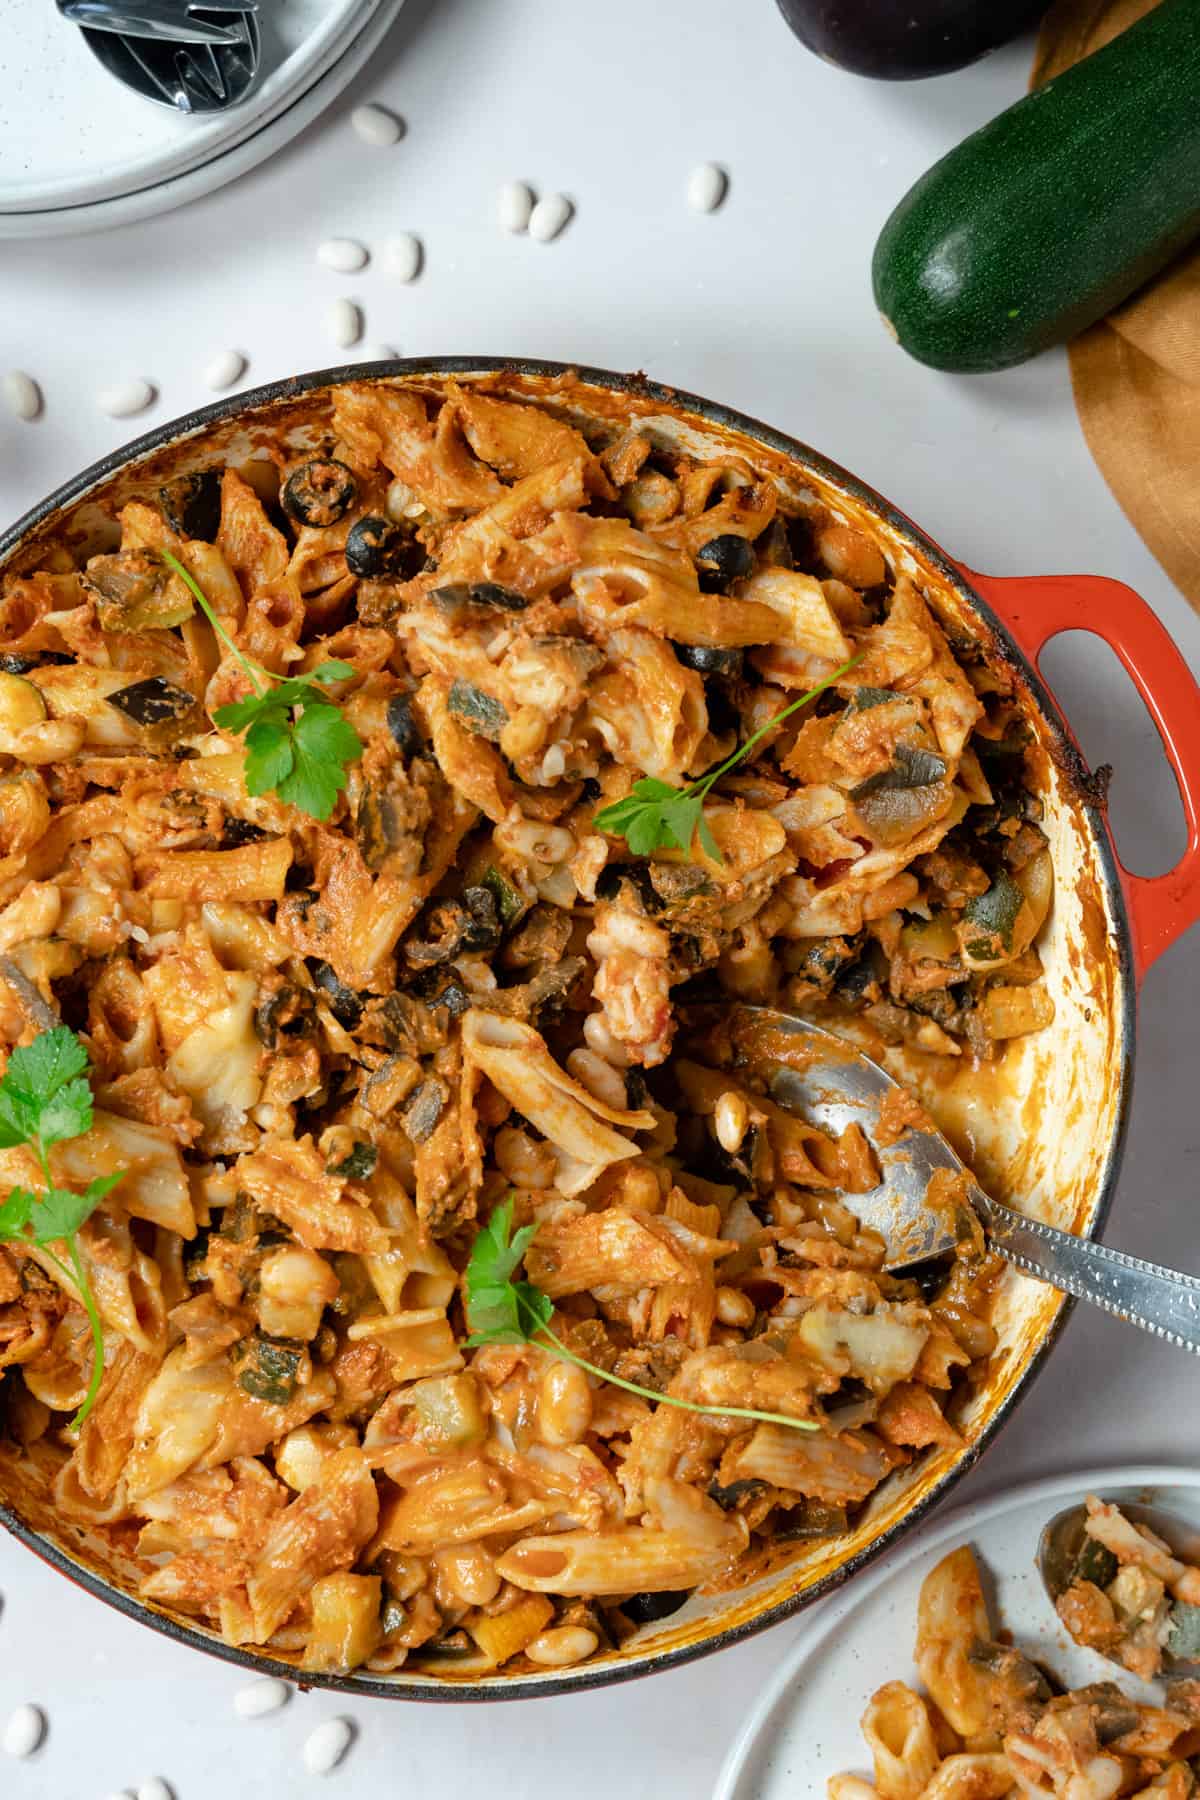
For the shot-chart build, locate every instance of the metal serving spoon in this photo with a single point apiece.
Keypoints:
(1064, 1537)
(813, 1072)
(162, 21)
(191, 78)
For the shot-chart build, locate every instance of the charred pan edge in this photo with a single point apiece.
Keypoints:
(1066, 752)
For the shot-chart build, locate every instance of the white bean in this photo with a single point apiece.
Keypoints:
(325, 1747)
(345, 256)
(125, 398)
(376, 125)
(549, 217)
(706, 188)
(155, 1789)
(734, 1308)
(22, 395)
(564, 1405)
(731, 1116)
(345, 323)
(564, 1645)
(514, 205)
(25, 1730)
(258, 1698)
(405, 254)
(599, 1077)
(226, 367)
(602, 1041)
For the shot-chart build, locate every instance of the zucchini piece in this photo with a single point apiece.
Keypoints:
(911, 767)
(359, 1165)
(449, 1413)
(477, 710)
(268, 1368)
(989, 919)
(21, 703)
(1040, 223)
(1183, 1639)
(135, 591)
(509, 903)
(1094, 1563)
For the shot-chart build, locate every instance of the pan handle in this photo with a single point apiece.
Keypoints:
(1037, 608)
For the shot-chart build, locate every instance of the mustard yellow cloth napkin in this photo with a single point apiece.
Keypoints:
(1136, 375)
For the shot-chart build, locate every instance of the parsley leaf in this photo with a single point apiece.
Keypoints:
(653, 814)
(298, 745)
(44, 1100)
(501, 1310)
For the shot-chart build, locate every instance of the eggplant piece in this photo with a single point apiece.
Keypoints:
(864, 698)
(478, 711)
(1183, 1640)
(707, 660)
(774, 547)
(647, 1609)
(288, 1012)
(724, 559)
(378, 829)
(403, 726)
(134, 590)
(904, 40)
(376, 546)
(159, 709)
(457, 595)
(911, 767)
(1020, 1678)
(452, 927)
(343, 1002)
(237, 832)
(813, 1519)
(729, 1498)
(319, 493)
(422, 1110)
(358, 1165)
(191, 504)
(269, 1368)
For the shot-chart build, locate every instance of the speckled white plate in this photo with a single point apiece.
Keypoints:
(124, 153)
(805, 1727)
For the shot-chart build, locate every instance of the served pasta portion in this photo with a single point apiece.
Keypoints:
(992, 1727)
(301, 774)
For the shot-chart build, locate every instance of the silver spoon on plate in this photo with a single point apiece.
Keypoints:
(195, 58)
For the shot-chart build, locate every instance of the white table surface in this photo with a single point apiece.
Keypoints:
(765, 305)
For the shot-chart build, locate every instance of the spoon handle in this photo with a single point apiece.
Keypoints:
(1161, 1301)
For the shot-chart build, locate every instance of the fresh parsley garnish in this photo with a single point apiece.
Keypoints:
(45, 1099)
(501, 1310)
(298, 744)
(653, 813)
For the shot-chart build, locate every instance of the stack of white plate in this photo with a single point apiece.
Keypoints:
(78, 151)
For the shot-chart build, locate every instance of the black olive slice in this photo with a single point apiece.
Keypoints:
(319, 493)
(724, 559)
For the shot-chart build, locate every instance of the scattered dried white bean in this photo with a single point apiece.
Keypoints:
(325, 1747)
(22, 394)
(227, 367)
(346, 256)
(706, 188)
(25, 1730)
(376, 125)
(155, 1789)
(549, 217)
(514, 205)
(380, 353)
(345, 322)
(260, 1697)
(126, 398)
(405, 254)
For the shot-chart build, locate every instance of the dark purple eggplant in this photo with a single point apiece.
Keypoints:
(903, 40)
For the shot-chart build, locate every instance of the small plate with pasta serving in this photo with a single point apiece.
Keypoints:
(955, 1677)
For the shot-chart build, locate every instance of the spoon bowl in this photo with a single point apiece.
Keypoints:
(1064, 1541)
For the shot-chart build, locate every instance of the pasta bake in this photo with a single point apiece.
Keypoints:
(991, 1726)
(320, 831)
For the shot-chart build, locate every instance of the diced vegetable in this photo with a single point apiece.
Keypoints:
(1095, 1563)
(1010, 1012)
(136, 591)
(456, 595)
(268, 1368)
(423, 1109)
(935, 940)
(988, 921)
(346, 1625)
(21, 703)
(477, 710)
(509, 903)
(501, 1636)
(160, 709)
(449, 1412)
(358, 1165)
(912, 767)
(1183, 1641)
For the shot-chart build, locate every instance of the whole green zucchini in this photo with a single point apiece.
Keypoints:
(1047, 218)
